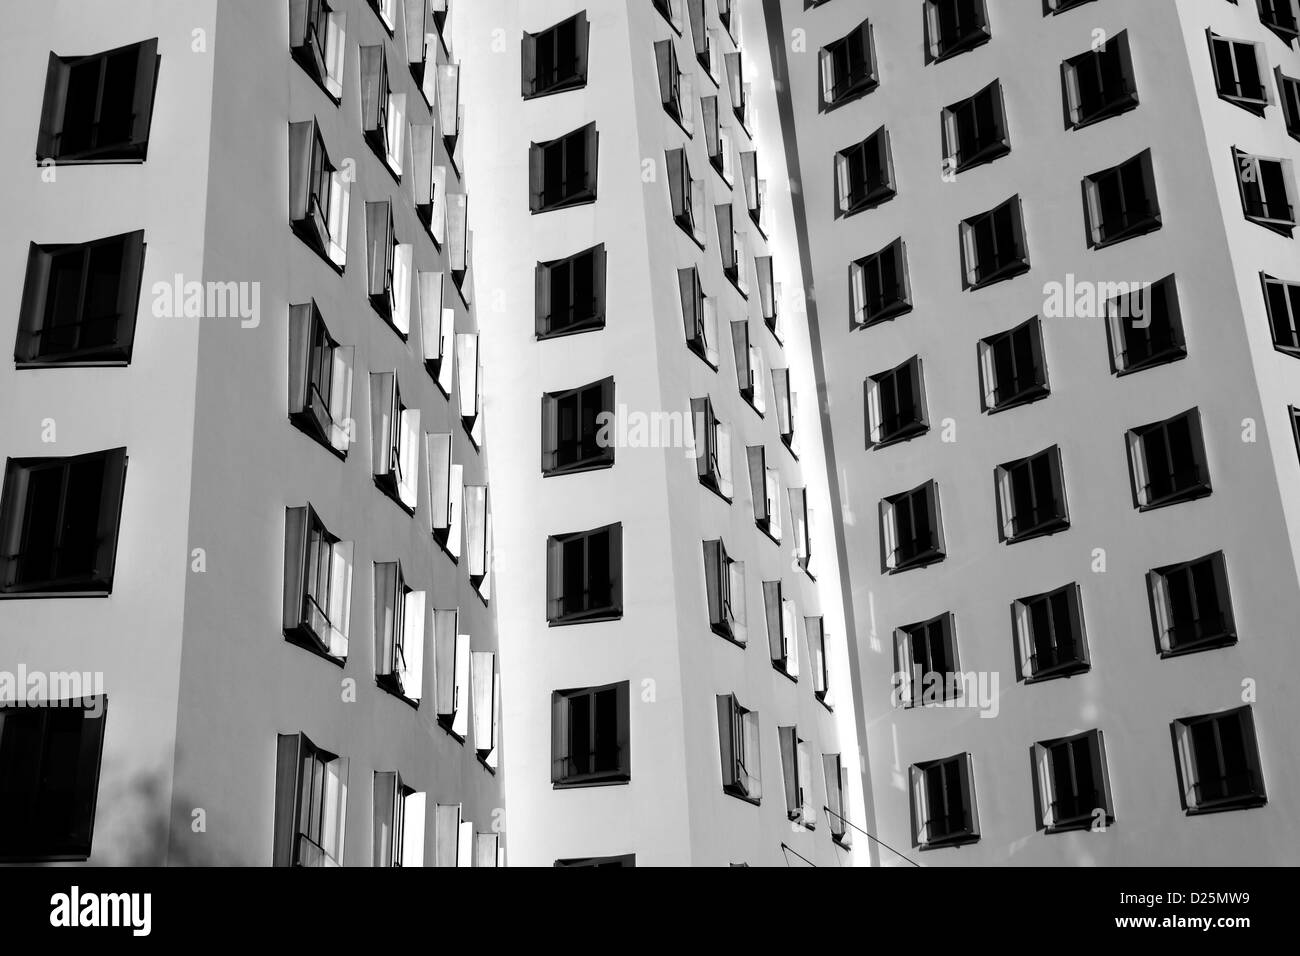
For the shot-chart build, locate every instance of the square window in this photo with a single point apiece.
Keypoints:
(570, 293)
(1013, 367)
(1282, 17)
(80, 302)
(59, 521)
(555, 59)
(848, 67)
(864, 174)
(1121, 202)
(1100, 83)
(49, 778)
(1050, 637)
(1073, 786)
(562, 172)
(975, 130)
(739, 745)
(575, 437)
(1282, 299)
(311, 795)
(896, 405)
(1031, 497)
(584, 573)
(1267, 188)
(879, 289)
(1145, 327)
(1191, 606)
(993, 245)
(98, 108)
(926, 671)
(590, 745)
(1218, 761)
(1168, 462)
(911, 528)
(943, 802)
(954, 26)
(1288, 89)
(1239, 72)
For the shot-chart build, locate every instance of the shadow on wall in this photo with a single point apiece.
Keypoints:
(139, 828)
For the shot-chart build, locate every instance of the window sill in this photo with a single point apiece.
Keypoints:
(1034, 394)
(779, 667)
(952, 842)
(981, 158)
(482, 756)
(390, 491)
(743, 797)
(1110, 110)
(1042, 531)
(1250, 105)
(445, 721)
(579, 468)
(763, 526)
(1281, 227)
(1164, 357)
(1249, 802)
(36, 592)
(1204, 644)
(302, 636)
(565, 204)
(1189, 494)
(914, 563)
(388, 684)
(851, 95)
(306, 425)
(877, 197)
(594, 324)
(1057, 672)
(302, 231)
(592, 619)
(564, 86)
(442, 537)
(1080, 823)
(35, 857)
(1149, 225)
(699, 351)
(616, 780)
(726, 634)
(905, 435)
(1001, 274)
(961, 45)
(71, 362)
(887, 314)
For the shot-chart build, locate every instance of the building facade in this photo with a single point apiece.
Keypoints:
(246, 511)
(677, 687)
(1053, 260)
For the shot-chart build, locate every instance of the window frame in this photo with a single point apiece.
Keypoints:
(557, 616)
(1187, 760)
(561, 703)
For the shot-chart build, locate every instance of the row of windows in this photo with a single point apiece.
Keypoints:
(1216, 758)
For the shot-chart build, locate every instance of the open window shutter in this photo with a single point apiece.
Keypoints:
(458, 231)
(301, 138)
(790, 623)
(763, 266)
(623, 707)
(486, 849)
(709, 116)
(340, 597)
(843, 188)
(1073, 96)
(758, 480)
(536, 182)
(1097, 756)
(1138, 463)
(1219, 564)
(483, 670)
(591, 139)
(936, 519)
(1057, 488)
(699, 422)
(686, 100)
(966, 770)
(342, 427)
(722, 435)
(749, 173)
(1186, 762)
(582, 43)
(616, 565)
(431, 299)
(542, 294)
(372, 85)
(422, 162)
(439, 480)
(467, 373)
(772, 610)
(664, 64)
(741, 350)
(413, 814)
(35, 294)
(599, 276)
(875, 416)
(714, 568)
(1158, 585)
(446, 835)
(110, 511)
(386, 800)
(383, 410)
(142, 97)
(799, 523)
(889, 533)
(710, 330)
(408, 487)
(386, 598)
(128, 291)
(295, 554)
(736, 590)
(403, 257)
(460, 725)
(858, 293)
(340, 206)
(550, 433)
(1024, 637)
(790, 768)
(414, 624)
(1043, 765)
(288, 761)
(905, 667)
(677, 181)
(920, 804)
(528, 57)
(827, 65)
(455, 500)
(446, 624)
(726, 738)
(688, 282)
(300, 323)
(476, 529)
(53, 107)
(757, 379)
(774, 503)
(449, 100)
(554, 579)
(379, 245)
(417, 23)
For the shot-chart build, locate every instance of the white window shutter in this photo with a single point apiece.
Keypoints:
(758, 378)
(736, 585)
(446, 625)
(686, 101)
(447, 348)
(988, 375)
(438, 201)
(465, 844)
(486, 850)
(774, 503)
(446, 837)
(1024, 638)
(403, 254)
(1187, 762)
(1138, 462)
(340, 198)
(1006, 503)
(458, 231)
(842, 187)
(920, 805)
(449, 99)
(414, 622)
(1046, 794)
(335, 52)
(827, 65)
(342, 428)
(790, 636)
(858, 293)
(710, 331)
(889, 534)
(340, 609)
(483, 670)
(697, 210)
(460, 725)
(1159, 585)
(875, 419)
(905, 667)
(336, 807)
(722, 436)
(395, 131)
(383, 409)
(413, 809)
(467, 373)
(439, 472)
(456, 498)
(476, 529)
(431, 298)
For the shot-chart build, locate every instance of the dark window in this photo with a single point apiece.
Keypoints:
(724, 582)
(628, 859)
(317, 585)
(712, 448)
(975, 130)
(755, 188)
(571, 294)
(562, 172)
(925, 662)
(1218, 761)
(943, 803)
(686, 195)
(1237, 73)
(737, 86)
(896, 405)
(1146, 327)
(700, 316)
(848, 66)
(1099, 83)
(796, 774)
(555, 60)
(993, 245)
(398, 833)
(1282, 17)
(731, 248)
(911, 528)
(1288, 89)
(1013, 368)
(311, 792)
(584, 574)
(1050, 639)
(864, 174)
(316, 39)
(1031, 497)
(399, 632)
(717, 138)
(382, 132)
(1267, 193)
(954, 26)
(98, 108)
(1120, 202)
(589, 736)
(675, 88)
(1168, 461)
(1282, 299)
(574, 436)
(80, 302)
(49, 778)
(837, 782)
(669, 9)
(1191, 606)
(738, 742)
(701, 38)
(879, 287)
(318, 194)
(815, 629)
(1072, 785)
(59, 523)
(765, 491)
(320, 379)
